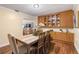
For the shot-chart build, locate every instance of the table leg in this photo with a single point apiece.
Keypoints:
(28, 49)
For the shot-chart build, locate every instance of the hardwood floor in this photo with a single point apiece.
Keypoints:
(59, 48)
(63, 48)
(5, 50)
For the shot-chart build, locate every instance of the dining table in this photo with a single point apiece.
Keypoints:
(28, 40)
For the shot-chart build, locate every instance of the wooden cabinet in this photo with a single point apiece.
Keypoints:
(70, 37)
(53, 35)
(63, 20)
(61, 36)
(58, 35)
(66, 19)
(67, 37)
(42, 20)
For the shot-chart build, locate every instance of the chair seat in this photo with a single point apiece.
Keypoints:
(23, 49)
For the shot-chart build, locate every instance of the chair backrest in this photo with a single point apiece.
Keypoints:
(47, 41)
(13, 44)
(41, 39)
(47, 35)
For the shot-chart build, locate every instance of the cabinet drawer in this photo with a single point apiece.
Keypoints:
(70, 37)
(61, 36)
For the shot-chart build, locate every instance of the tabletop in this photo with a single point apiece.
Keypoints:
(28, 39)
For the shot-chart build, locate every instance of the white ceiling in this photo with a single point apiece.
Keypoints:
(42, 10)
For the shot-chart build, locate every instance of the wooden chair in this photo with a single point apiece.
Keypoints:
(47, 41)
(51, 42)
(40, 44)
(17, 49)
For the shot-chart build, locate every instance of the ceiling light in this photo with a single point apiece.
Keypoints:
(36, 6)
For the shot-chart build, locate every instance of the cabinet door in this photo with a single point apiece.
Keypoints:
(61, 36)
(70, 37)
(58, 36)
(69, 19)
(43, 19)
(40, 19)
(46, 20)
(62, 17)
(66, 19)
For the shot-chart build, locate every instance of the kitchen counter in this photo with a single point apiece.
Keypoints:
(58, 30)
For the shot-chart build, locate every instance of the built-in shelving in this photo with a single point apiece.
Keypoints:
(59, 20)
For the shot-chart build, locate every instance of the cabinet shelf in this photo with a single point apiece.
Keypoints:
(59, 20)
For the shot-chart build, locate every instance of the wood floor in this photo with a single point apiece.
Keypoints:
(5, 49)
(59, 48)
(63, 48)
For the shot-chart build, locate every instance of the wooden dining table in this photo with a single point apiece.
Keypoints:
(28, 40)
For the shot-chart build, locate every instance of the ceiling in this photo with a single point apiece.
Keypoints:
(42, 10)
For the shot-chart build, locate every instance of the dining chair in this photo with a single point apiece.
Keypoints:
(47, 42)
(40, 44)
(17, 49)
(51, 40)
(13, 45)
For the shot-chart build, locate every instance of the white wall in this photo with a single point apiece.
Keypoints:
(76, 30)
(76, 42)
(27, 18)
(11, 22)
(76, 8)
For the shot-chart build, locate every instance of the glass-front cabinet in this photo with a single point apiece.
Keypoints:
(58, 20)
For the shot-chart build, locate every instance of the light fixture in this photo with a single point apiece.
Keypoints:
(36, 5)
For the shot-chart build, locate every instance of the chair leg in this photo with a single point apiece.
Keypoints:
(12, 53)
(43, 50)
(34, 51)
(38, 51)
